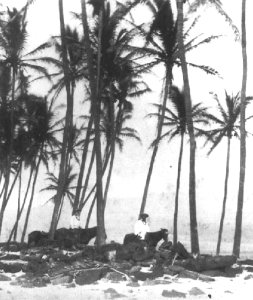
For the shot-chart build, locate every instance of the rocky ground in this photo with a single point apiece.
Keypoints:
(85, 273)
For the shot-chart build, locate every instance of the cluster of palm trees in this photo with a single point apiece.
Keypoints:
(109, 65)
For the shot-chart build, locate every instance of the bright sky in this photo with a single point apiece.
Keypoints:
(225, 56)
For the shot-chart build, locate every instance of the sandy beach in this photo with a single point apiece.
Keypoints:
(176, 288)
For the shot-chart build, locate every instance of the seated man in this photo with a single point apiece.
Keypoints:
(141, 227)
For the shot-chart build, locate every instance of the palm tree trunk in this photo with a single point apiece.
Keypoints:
(188, 105)
(109, 176)
(23, 204)
(31, 200)
(9, 155)
(82, 202)
(112, 140)
(159, 132)
(238, 223)
(4, 204)
(90, 211)
(60, 210)
(19, 199)
(82, 167)
(224, 199)
(107, 156)
(101, 236)
(64, 155)
(175, 231)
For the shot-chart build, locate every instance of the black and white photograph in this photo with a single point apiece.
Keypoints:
(126, 149)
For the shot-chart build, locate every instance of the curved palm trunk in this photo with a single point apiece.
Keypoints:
(82, 201)
(31, 200)
(159, 132)
(238, 224)
(9, 156)
(19, 199)
(82, 167)
(109, 176)
(101, 236)
(90, 212)
(224, 199)
(188, 105)
(23, 204)
(64, 150)
(114, 130)
(175, 231)
(106, 160)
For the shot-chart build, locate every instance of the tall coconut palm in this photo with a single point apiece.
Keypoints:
(175, 120)
(13, 35)
(101, 236)
(35, 144)
(68, 124)
(163, 46)
(67, 193)
(188, 107)
(226, 126)
(238, 224)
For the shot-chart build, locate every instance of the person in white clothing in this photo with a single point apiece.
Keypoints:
(75, 220)
(141, 227)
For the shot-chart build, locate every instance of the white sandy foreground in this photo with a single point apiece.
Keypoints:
(221, 289)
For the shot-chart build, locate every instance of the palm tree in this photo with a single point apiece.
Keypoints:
(188, 107)
(67, 193)
(238, 224)
(68, 124)
(13, 36)
(217, 4)
(36, 143)
(164, 47)
(175, 120)
(227, 126)
(95, 107)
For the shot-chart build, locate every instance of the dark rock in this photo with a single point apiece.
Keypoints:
(246, 262)
(249, 269)
(250, 276)
(113, 293)
(173, 270)
(214, 273)
(61, 279)
(4, 278)
(134, 269)
(90, 275)
(233, 271)
(195, 276)
(115, 276)
(13, 267)
(37, 268)
(144, 276)
(10, 257)
(133, 284)
(204, 263)
(196, 292)
(71, 285)
(173, 294)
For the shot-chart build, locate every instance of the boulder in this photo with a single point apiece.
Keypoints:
(204, 263)
(115, 277)
(61, 279)
(196, 292)
(89, 276)
(11, 267)
(4, 277)
(112, 293)
(173, 294)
